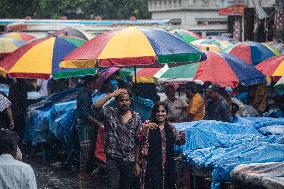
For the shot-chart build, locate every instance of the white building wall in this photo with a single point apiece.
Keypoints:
(190, 12)
(191, 17)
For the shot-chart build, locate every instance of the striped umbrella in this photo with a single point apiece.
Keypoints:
(69, 31)
(272, 67)
(149, 75)
(18, 36)
(132, 46)
(206, 46)
(179, 74)
(227, 71)
(187, 36)
(8, 45)
(252, 52)
(40, 59)
(221, 44)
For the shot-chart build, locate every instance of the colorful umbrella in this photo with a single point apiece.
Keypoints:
(69, 31)
(279, 85)
(104, 75)
(126, 72)
(18, 36)
(252, 52)
(8, 45)
(132, 46)
(272, 67)
(40, 59)
(205, 47)
(187, 36)
(221, 44)
(149, 75)
(227, 71)
(181, 73)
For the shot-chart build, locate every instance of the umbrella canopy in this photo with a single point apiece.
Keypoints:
(252, 52)
(132, 46)
(205, 47)
(273, 66)
(221, 44)
(279, 85)
(40, 59)
(187, 36)
(8, 45)
(69, 31)
(149, 75)
(18, 36)
(227, 71)
(181, 73)
(126, 72)
(104, 75)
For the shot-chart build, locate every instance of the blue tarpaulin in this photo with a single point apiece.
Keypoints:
(220, 146)
(57, 113)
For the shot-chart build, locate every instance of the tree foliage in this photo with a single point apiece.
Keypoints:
(74, 9)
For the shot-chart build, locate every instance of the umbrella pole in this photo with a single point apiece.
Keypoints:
(135, 78)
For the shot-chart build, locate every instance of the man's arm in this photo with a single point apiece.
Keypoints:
(101, 102)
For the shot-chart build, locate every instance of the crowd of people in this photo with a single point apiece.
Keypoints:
(134, 148)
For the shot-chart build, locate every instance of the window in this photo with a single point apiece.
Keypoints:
(175, 21)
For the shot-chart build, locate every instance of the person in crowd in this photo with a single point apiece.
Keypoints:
(41, 87)
(121, 127)
(206, 84)
(157, 138)
(6, 116)
(216, 108)
(147, 90)
(18, 95)
(196, 106)
(87, 125)
(260, 99)
(14, 173)
(177, 106)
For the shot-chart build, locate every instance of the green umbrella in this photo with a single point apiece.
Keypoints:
(180, 73)
(186, 36)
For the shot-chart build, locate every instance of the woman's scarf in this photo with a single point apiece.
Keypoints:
(154, 172)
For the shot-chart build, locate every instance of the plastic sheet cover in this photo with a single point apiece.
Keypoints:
(220, 146)
(56, 116)
(269, 175)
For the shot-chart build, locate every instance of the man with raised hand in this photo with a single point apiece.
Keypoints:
(121, 127)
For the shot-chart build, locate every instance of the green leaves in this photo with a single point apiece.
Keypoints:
(74, 9)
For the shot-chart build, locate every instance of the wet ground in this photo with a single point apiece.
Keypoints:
(58, 177)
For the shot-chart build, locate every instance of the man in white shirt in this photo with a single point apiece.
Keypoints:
(14, 174)
(177, 106)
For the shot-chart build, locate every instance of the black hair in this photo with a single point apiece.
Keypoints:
(156, 109)
(89, 78)
(128, 92)
(106, 86)
(8, 141)
(206, 84)
(169, 87)
(192, 86)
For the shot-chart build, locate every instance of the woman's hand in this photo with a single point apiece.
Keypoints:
(149, 126)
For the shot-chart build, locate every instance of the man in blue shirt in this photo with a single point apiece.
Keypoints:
(216, 108)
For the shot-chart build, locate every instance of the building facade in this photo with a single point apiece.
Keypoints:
(199, 15)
